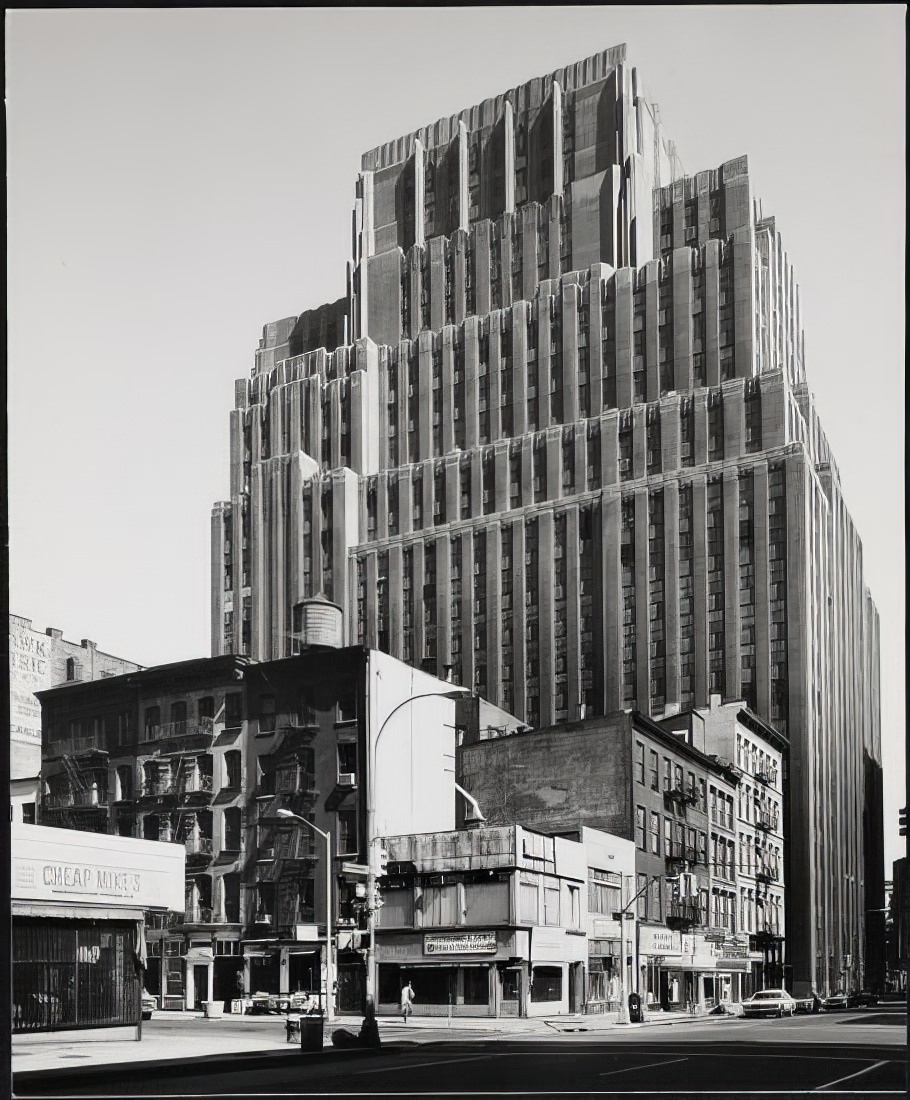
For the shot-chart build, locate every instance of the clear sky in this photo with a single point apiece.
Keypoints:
(178, 178)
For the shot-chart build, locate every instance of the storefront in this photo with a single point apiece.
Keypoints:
(526, 972)
(281, 969)
(680, 972)
(78, 902)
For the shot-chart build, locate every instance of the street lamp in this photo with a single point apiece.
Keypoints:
(372, 745)
(329, 976)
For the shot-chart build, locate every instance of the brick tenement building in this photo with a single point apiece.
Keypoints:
(39, 660)
(205, 754)
(626, 775)
(557, 442)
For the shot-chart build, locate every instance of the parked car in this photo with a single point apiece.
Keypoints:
(149, 1004)
(839, 1000)
(804, 1005)
(866, 999)
(769, 1002)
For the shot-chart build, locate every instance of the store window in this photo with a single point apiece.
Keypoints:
(72, 974)
(433, 985)
(476, 985)
(546, 983)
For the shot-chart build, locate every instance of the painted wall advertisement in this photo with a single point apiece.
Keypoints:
(29, 671)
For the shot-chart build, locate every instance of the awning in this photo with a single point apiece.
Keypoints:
(227, 736)
(443, 963)
(226, 798)
(75, 912)
(724, 966)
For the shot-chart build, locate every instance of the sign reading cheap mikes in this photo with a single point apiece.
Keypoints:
(63, 866)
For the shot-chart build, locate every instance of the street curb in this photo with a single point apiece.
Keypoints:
(245, 1060)
(242, 1061)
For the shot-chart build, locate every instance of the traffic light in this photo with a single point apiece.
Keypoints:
(902, 820)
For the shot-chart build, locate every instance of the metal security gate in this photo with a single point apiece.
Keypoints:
(74, 974)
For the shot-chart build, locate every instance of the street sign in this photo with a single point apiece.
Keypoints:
(355, 869)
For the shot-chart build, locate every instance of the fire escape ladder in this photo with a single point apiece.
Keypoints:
(179, 775)
(74, 774)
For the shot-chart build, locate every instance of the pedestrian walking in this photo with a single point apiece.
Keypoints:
(407, 1001)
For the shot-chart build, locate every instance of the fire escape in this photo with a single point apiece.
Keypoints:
(767, 937)
(178, 790)
(683, 912)
(77, 793)
(283, 858)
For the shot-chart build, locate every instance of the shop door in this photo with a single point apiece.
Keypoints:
(304, 974)
(228, 979)
(511, 992)
(152, 977)
(200, 985)
(351, 989)
(576, 994)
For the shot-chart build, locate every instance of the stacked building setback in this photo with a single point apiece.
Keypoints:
(556, 443)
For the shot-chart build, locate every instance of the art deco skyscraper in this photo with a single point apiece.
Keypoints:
(556, 442)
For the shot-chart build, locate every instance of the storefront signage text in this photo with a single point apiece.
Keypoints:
(469, 943)
(93, 880)
(659, 941)
(734, 951)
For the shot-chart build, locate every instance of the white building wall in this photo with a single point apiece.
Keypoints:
(412, 746)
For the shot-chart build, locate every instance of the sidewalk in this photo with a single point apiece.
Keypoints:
(201, 1039)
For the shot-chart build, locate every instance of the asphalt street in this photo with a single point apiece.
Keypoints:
(851, 1053)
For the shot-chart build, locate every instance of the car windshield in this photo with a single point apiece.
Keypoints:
(767, 995)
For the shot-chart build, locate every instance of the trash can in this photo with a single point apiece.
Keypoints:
(635, 1013)
(311, 1032)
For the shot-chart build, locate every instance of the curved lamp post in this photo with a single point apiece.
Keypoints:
(329, 969)
(372, 745)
